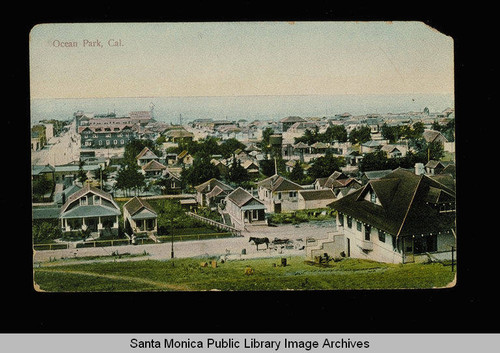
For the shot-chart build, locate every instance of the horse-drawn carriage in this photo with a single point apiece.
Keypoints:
(275, 244)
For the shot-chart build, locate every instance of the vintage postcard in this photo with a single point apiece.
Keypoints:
(242, 156)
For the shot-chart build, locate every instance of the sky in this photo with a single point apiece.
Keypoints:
(94, 60)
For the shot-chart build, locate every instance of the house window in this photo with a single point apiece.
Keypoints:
(100, 142)
(292, 194)
(115, 142)
(279, 195)
(341, 219)
(381, 236)
(122, 142)
(97, 200)
(349, 222)
(373, 197)
(107, 142)
(358, 226)
(394, 243)
(83, 201)
(367, 232)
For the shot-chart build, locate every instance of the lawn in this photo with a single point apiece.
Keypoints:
(268, 274)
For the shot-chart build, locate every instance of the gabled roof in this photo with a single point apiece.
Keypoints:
(208, 185)
(85, 190)
(241, 197)
(153, 165)
(377, 174)
(310, 195)
(301, 145)
(405, 209)
(278, 183)
(39, 169)
(432, 135)
(292, 119)
(135, 205)
(434, 164)
(146, 153)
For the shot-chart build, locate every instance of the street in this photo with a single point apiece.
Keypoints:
(231, 247)
(60, 150)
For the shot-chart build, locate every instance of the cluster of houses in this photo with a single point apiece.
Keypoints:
(395, 216)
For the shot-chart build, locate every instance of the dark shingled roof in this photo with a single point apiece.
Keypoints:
(153, 165)
(278, 183)
(207, 186)
(310, 195)
(405, 204)
(136, 204)
(240, 197)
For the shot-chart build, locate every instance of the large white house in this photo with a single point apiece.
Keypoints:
(279, 194)
(399, 218)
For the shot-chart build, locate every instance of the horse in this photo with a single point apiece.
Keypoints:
(258, 241)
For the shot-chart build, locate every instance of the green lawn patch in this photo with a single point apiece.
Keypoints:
(267, 274)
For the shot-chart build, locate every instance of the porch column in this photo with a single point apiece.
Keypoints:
(84, 226)
(99, 225)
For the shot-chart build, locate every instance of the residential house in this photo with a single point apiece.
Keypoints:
(278, 194)
(434, 167)
(146, 156)
(170, 183)
(139, 217)
(153, 169)
(251, 167)
(244, 209)
(319, 147)
(43, 171)
(311, 199)
(184, 158)
(338, 182)
(90, 209)
(434, 136)
(370, 146)
(399, 218)
(203, 189)
(287, 122)
(179, 135)
(394, 151)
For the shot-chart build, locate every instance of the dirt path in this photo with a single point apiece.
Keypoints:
(160, 285)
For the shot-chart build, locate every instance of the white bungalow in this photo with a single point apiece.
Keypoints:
(90, 209)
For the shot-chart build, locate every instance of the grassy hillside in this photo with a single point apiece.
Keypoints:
(268, 274)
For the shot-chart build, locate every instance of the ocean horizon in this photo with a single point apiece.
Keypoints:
(256, 107)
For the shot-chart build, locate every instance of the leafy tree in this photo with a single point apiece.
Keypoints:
(82, 175)
(391, 133)
(266, 133)
(335, 133)
(297, 173)
(228, 147)
(45, 231)
(325, 166)
(129, 178)
(236, 174)
(201, 171)
(360, 134)
(268, 168)
(41, 187)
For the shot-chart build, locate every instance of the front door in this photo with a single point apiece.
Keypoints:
(348, 247)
